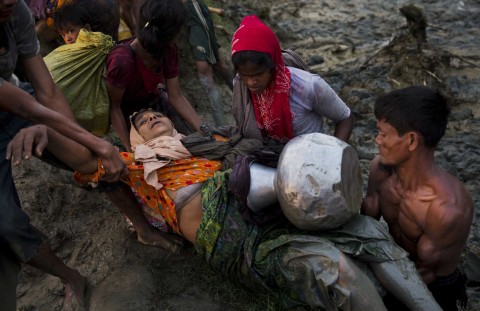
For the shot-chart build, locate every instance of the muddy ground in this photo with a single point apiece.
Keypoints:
(362, 49)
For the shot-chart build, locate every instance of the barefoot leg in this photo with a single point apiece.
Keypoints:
(74, 282)
(125, 201)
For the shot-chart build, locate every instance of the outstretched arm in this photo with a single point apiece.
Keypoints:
(116, 115)
(18, 102)
(371, 204)
(34, 139)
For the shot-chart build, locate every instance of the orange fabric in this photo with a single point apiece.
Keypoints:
(93, 178)
(59, 3)
(174, 175)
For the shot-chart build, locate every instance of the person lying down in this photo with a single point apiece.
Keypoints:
(341, 269)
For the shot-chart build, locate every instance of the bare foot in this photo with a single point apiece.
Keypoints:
(75, 293)
(169, 241)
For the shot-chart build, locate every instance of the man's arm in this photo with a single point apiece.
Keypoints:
(181, 105)
(343, 129)
(371, 203)
(18, 102)
(46, 91)
(116, 115)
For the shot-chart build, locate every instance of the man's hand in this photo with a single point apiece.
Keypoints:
(28, 140)
(115, 167)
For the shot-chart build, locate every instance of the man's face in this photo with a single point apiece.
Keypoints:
(392, 148)
(6, 10)
(255, 78)
(152, 124)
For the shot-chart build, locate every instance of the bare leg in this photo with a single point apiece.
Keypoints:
(363, 295)
(73, 281)
(400, 277)
(205, 75)
(125, 201)
(225, 73)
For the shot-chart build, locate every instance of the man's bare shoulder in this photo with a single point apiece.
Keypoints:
(379, 173)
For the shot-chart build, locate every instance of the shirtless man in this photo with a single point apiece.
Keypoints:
(428, 211)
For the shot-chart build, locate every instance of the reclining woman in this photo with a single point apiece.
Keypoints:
(318, 269)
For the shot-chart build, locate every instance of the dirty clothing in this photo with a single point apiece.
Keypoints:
(201, 34)
(300, 268)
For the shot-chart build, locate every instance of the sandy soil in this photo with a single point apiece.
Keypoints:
(358, 58)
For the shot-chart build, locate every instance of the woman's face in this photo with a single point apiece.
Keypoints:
(256, 78)
(152, 124)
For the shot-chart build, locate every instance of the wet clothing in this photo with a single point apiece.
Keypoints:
(298, 267)
(143, 87)
(201, 32)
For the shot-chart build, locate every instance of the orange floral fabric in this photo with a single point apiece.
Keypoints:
(176, 174)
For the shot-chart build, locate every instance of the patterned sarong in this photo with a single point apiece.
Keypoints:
(300, 268)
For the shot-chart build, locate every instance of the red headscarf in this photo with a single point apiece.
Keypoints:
(272, 107)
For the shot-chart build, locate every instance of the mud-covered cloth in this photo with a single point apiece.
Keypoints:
(300, 268)
(201, 32)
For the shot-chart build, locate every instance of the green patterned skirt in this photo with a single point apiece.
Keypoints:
(298, 267)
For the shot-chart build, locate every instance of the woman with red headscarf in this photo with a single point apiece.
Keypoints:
(276, 101)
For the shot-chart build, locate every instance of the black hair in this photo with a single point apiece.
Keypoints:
(71, 13)
(416, 108)
(262, 60)
(159, 22)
